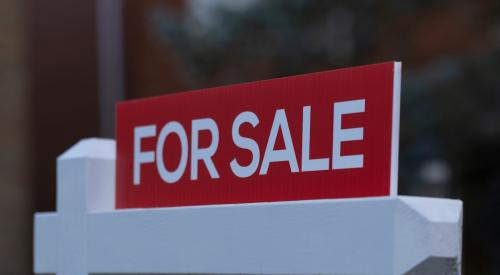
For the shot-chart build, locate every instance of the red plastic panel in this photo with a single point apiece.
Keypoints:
(361, 98)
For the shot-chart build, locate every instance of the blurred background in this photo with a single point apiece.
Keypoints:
(64, 64)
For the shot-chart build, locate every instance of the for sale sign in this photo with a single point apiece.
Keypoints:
(323, 135)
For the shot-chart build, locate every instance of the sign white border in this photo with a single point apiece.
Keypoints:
(396, 106)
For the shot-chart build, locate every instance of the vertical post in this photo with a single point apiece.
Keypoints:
(85, 183)
(109, 61)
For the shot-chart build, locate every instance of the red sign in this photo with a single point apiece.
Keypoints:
(323, 135)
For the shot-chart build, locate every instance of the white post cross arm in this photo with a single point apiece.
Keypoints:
(391, 235)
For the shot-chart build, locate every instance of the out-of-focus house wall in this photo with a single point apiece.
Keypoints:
(150, 69)
(15, 170)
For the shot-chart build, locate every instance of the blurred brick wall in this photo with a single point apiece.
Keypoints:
(48, 101)
(15, 194)
(62, 61)
(150, 69)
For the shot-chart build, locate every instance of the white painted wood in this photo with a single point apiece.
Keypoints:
(45, 241)
(85, 183)
(396, 108)
(391, 235)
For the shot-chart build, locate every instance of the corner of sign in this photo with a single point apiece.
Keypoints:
(91, 148)
(397, 66)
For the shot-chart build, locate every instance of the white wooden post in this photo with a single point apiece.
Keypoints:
(85, 184)
(391, 235)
